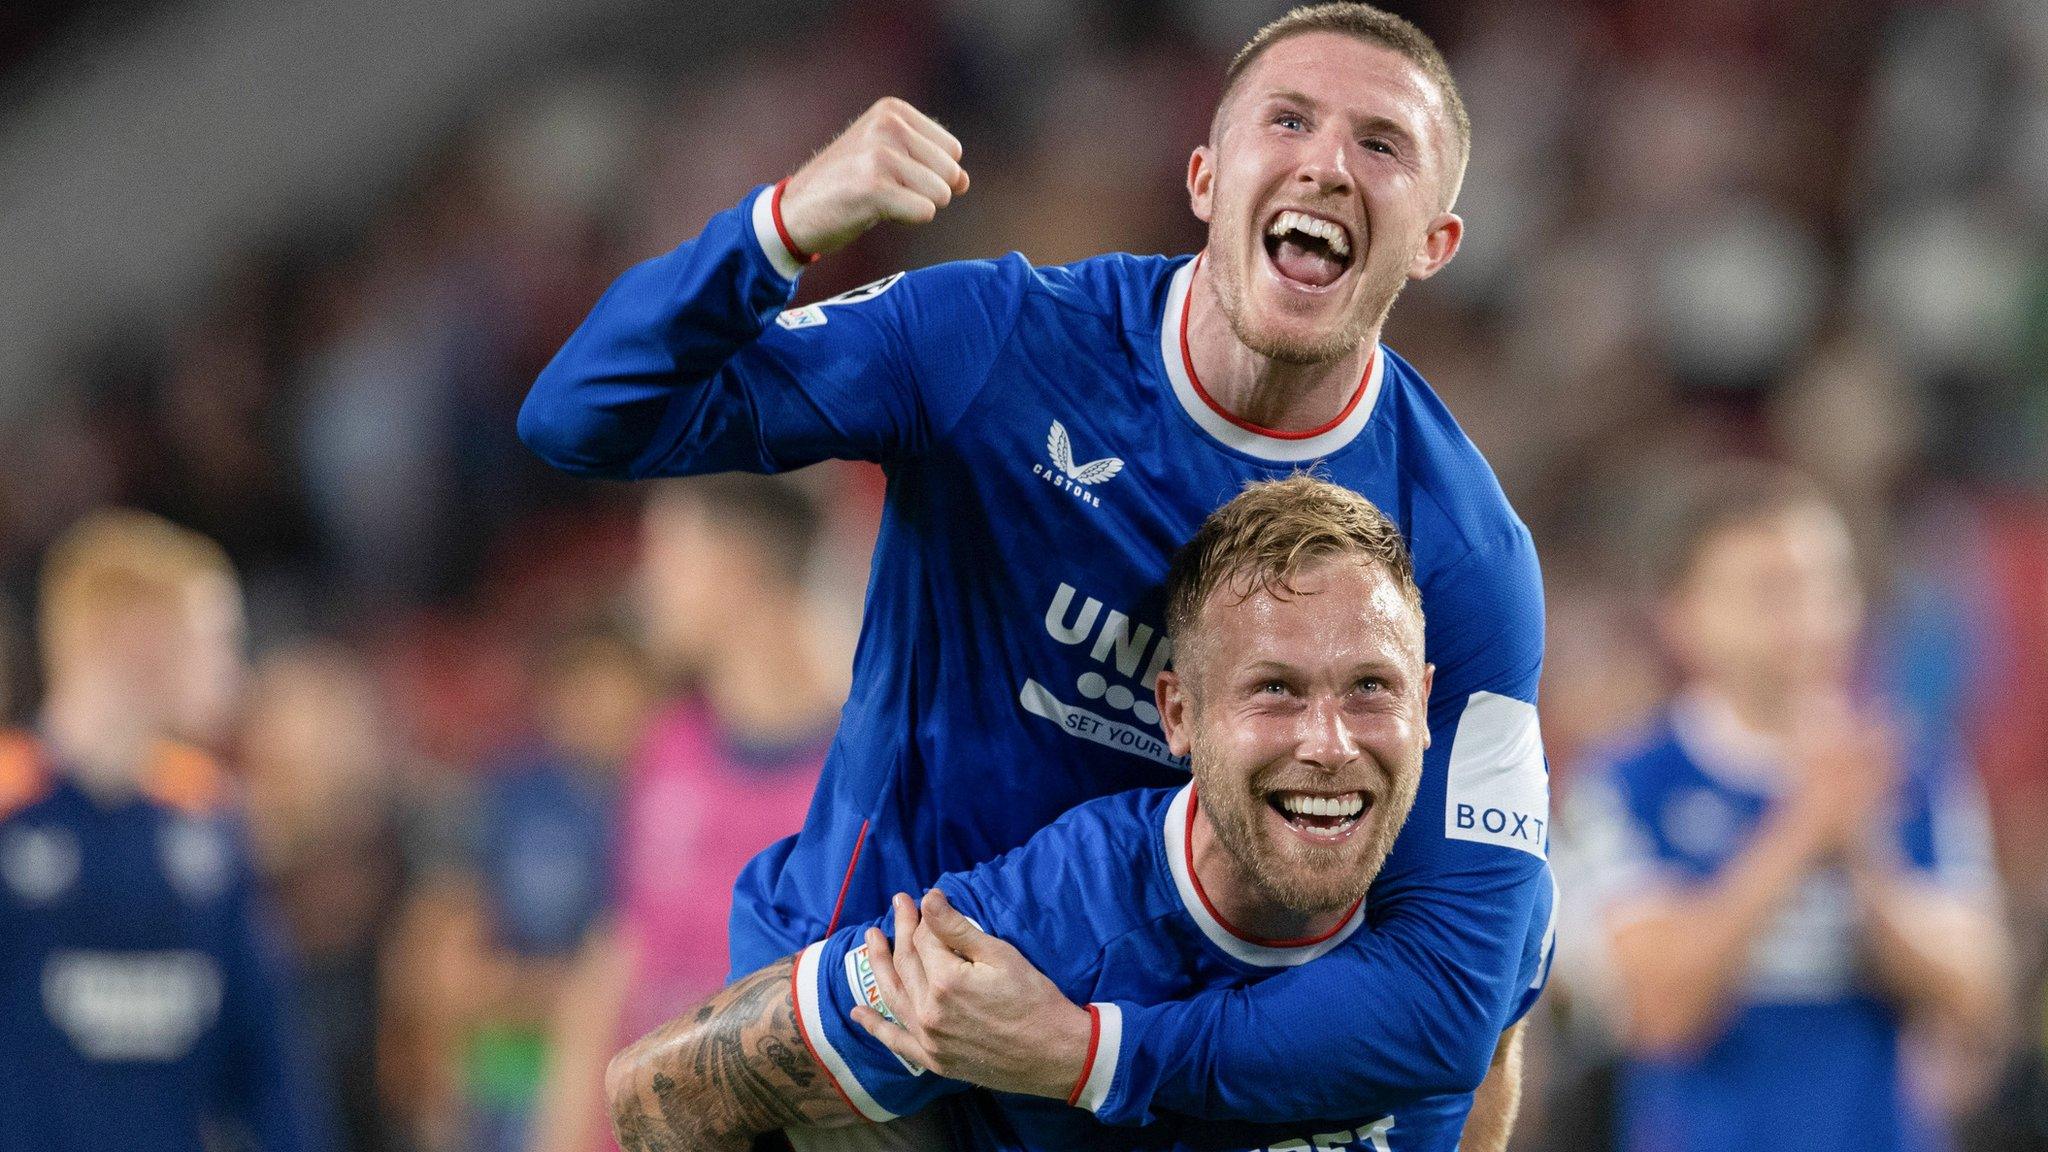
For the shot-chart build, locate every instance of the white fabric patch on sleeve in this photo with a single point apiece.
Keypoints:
(1499, 789)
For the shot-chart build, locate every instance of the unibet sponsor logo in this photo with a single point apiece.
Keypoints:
(1128, 657)
(132, 1005)
(860, 977)
(1071, 478)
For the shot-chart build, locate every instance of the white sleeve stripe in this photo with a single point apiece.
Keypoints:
(1108, 1045)
(820, 1044)
(769, 239)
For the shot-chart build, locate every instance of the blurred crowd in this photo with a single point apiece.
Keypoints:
(1812, 231)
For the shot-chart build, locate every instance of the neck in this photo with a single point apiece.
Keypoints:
(764, 685)
(103, 745)
(1256, 388)
(1239, 900)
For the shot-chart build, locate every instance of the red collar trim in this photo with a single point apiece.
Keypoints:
(1187, 306)
(1188, 846)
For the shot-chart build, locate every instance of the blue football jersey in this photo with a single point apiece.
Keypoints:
(1047, 448)
(145, 1002)
(1107, 904)
(1809, 1056)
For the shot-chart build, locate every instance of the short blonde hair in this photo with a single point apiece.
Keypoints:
(1269, 534)
(1374, 26)
(114, 560)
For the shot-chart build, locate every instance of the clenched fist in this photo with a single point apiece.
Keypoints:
(894, 163)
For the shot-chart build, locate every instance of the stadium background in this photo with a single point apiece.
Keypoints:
(283, 272)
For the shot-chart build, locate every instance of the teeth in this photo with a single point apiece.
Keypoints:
(1344, 806)
(1292, 221)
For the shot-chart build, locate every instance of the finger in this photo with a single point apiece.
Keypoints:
(913, 174)
(929, 154)
(932, 130)
(905, 206)
(937, 956)
(909, 966)
(894, 1037)
(955, 931)
(894, 994)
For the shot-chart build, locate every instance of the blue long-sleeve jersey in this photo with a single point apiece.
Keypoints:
(1047, 447)
(1107, 903)
(144, 995)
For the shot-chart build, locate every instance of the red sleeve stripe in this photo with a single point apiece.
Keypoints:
(1088, 1065)
(775, 211)
(839, 905)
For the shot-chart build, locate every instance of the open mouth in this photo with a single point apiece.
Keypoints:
(1308, 250)
(1320, 816)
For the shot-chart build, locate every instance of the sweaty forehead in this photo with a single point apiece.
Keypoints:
(1346, 72)
(1341, 609)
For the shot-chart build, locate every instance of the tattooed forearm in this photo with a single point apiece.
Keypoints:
(716, 1077)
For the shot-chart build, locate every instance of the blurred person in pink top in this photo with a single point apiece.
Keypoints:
(720, 775)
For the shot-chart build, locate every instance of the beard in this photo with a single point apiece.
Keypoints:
(1228, 280)
(1307, 879)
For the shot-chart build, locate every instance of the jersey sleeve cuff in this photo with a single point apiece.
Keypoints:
(769, 232)
(817, 1038)
(1105, 1044)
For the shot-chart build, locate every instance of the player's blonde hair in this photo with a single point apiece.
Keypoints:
(115, 560)
(1269, 534)
(1374, 26)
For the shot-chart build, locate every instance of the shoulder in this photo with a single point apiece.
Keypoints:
(1114, 285)
(23, 778)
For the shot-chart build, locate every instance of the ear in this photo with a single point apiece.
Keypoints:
(1202, 182)
(1439, 244)
(1174, 712)
(1428, 682)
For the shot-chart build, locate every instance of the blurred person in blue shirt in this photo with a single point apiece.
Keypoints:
(146, 1000)
(543, 873)
(1785, 877)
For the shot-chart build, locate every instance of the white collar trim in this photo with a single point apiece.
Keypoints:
(1237, 947)
(1235, 435)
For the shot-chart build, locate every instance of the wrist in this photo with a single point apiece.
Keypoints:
(1090, 1084)
(801, 251)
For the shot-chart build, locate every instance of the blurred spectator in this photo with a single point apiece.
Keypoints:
(1786, 885)
(318, 760)
(147, 1002)
(499, 937)
(721, 775)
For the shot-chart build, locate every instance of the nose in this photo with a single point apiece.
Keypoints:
(1327, 165)
(1325, 739)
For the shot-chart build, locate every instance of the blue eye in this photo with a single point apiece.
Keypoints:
(1290, 121)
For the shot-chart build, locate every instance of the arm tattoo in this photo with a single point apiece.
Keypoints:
(712, 1079)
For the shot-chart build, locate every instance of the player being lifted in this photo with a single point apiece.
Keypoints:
(1050, 436)
(1298, 687)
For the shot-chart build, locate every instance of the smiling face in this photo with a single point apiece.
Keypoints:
(1326, 185)
(1305, 715)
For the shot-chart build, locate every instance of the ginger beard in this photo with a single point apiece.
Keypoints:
(1307, 789)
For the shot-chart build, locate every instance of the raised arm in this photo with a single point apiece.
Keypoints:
(683, 367)
(723, 1073)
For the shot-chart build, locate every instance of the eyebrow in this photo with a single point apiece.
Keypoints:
(1370, 123)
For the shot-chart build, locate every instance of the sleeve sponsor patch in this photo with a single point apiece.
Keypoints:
(1499, 789)
(860, 977)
